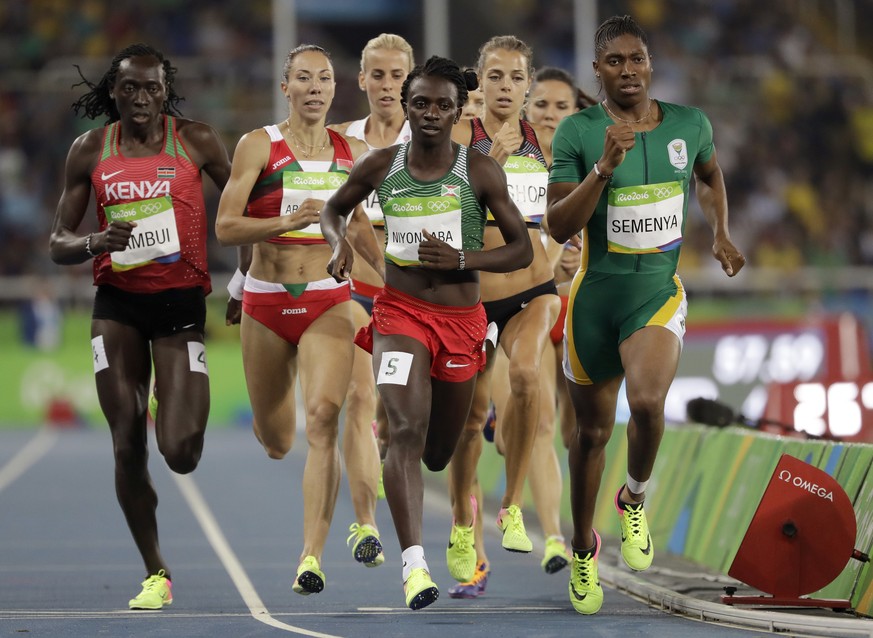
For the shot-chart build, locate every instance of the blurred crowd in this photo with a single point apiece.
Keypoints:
(790, 96)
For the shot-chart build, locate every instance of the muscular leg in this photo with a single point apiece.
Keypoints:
(360, 451)
(650, 357)
(270, 365)
(324, 352)
(462, 469)
(524, 340)
(595, 419)
(184, 400)
(450, 405)
(122, 389)
(566, 414)
(408, 409)
(544, 476)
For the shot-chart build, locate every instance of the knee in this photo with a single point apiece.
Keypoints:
(183, 456)
(646, 407)
(592, 435)
(409, 438)
(476, 419)
(275, 444)
(322, 425)
(524, 380)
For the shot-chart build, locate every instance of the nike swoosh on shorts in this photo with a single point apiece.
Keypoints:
(449, 364)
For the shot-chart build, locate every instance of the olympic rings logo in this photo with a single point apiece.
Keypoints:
(335, 180)
(661, 193)
(438, 206)
(151, 208)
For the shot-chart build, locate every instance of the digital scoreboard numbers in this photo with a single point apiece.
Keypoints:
(827, 408)
(812, 375)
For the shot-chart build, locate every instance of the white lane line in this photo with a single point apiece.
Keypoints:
(27, 456)
(38, 614)
(228, 558)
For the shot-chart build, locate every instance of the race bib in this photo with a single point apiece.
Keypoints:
(645, 219)
(298, 186)
(155, 238)
(405, 219)
(526, 180)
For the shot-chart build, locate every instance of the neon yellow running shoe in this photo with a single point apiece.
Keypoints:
(157, 592)
(511, 523)
(556, 557)
(310, 579)
(461, 552)
(420, 590)
(367, 548)
(636, 542)
(586, 594)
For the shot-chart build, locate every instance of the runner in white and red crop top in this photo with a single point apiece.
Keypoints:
(296, 317)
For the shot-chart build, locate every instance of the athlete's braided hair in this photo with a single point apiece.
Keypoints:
(98, 101)
(614, 27)
(443, 68)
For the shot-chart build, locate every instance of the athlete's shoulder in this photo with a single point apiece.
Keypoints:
(90, 141)
(356, 146)
(691, 114)
(482, 165)
(584, 120)
(341, 128)
(194, 131)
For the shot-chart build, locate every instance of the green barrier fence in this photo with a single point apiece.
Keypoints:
(33, 381)
(706, 487)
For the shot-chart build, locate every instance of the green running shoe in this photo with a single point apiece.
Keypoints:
(420, 590)
(157, 592)
(367, 548)
(586, 594)
(636, 542)
(511, 523)
(310, 579)
(556, 557)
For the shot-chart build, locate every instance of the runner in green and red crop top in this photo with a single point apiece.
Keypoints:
(294, 317)
(523, 304)
(622, 175)
(428, 324)
(149, 260)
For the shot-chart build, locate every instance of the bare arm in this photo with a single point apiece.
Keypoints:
(232, 227)
(66, 247)
(571, 204)
(361, 235)
(712, 195)
(365, 176)
(208, 150)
